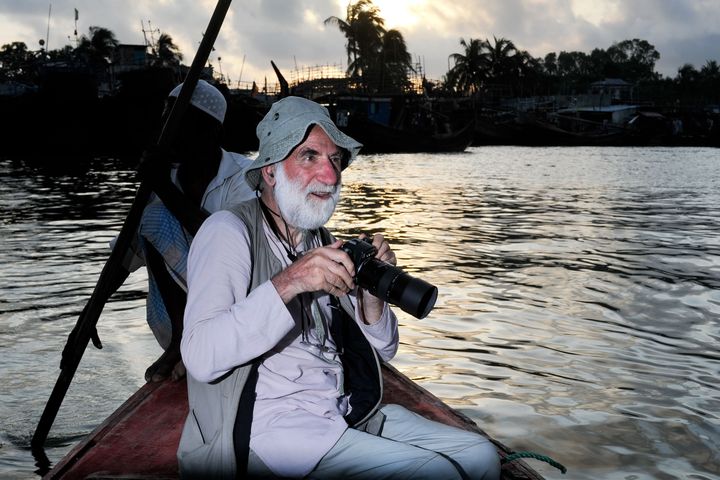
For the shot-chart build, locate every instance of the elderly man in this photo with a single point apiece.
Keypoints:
(282, 347)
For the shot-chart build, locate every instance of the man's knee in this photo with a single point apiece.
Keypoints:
(466, 451)
(481, 461)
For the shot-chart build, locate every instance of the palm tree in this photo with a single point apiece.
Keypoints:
(347, 30)
(709, 79)
(168, 54)
(395, 61)
(500, 60)
(526, 73)
(468, 73)
(99, 48)
(364, 29)
(710, 70)
(484, 62)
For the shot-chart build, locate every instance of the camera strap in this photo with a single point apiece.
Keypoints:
(310, 312)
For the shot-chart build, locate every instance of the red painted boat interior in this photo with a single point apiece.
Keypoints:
(139, 440)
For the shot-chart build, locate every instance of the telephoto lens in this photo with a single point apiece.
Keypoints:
(388, 282)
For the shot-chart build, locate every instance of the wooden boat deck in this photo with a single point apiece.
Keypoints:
(139, 440)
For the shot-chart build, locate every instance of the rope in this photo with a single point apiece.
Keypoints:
(536, 456)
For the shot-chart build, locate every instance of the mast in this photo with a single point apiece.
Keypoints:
(47, 34)
(77, 15)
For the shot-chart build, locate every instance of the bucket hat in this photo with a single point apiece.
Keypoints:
(207, 98)
(284, 127)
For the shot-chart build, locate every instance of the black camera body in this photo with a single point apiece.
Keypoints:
(388, 282)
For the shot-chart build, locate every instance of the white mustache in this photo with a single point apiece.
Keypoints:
(321, 188)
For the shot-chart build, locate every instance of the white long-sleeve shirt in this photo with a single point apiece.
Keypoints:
(300, 404)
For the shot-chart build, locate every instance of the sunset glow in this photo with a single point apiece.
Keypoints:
(398, 13)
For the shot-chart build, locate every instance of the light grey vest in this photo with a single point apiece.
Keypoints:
(206, 447)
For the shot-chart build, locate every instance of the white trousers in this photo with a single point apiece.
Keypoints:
(409, 447)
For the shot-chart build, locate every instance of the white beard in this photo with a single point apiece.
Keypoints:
(298, 207)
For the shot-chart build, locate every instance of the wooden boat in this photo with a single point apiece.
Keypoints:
(139, 439)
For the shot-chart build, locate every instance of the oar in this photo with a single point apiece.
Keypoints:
(114, 269)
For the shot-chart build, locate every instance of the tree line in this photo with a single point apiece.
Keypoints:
(484, 66)
(484, 63)
(380, 61)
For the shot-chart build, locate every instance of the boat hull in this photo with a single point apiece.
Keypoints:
(140, 439)
(378, 138)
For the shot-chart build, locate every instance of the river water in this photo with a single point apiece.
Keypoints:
(578, 315)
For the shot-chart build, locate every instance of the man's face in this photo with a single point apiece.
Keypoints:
(196, 132)
(307, 186)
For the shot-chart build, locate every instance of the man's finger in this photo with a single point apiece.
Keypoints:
(340, 257)
(341, 277)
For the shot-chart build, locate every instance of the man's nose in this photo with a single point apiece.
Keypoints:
(328, 172)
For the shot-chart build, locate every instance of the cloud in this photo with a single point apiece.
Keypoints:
(283, 32)
(291, 32)
(680, 30)
(695, 51)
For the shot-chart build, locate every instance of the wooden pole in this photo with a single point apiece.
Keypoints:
(85, 327)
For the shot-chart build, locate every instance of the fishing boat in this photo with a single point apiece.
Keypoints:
(140, 439)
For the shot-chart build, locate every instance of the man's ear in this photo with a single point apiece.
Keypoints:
(268, 173)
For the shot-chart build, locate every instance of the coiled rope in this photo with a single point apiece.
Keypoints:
(536, 456)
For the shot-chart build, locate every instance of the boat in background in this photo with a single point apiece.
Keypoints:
(400, 124)
(140, 439)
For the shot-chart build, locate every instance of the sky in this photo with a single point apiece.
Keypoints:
(292, 33)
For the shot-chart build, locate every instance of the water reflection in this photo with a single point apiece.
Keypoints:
(577, 316)
(37, 191)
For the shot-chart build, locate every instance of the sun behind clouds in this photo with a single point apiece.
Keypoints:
(397, 13)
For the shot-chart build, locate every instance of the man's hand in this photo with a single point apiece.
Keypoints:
(327, 269)
(371, 306)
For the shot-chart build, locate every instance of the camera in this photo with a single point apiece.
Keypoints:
(388, 282)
